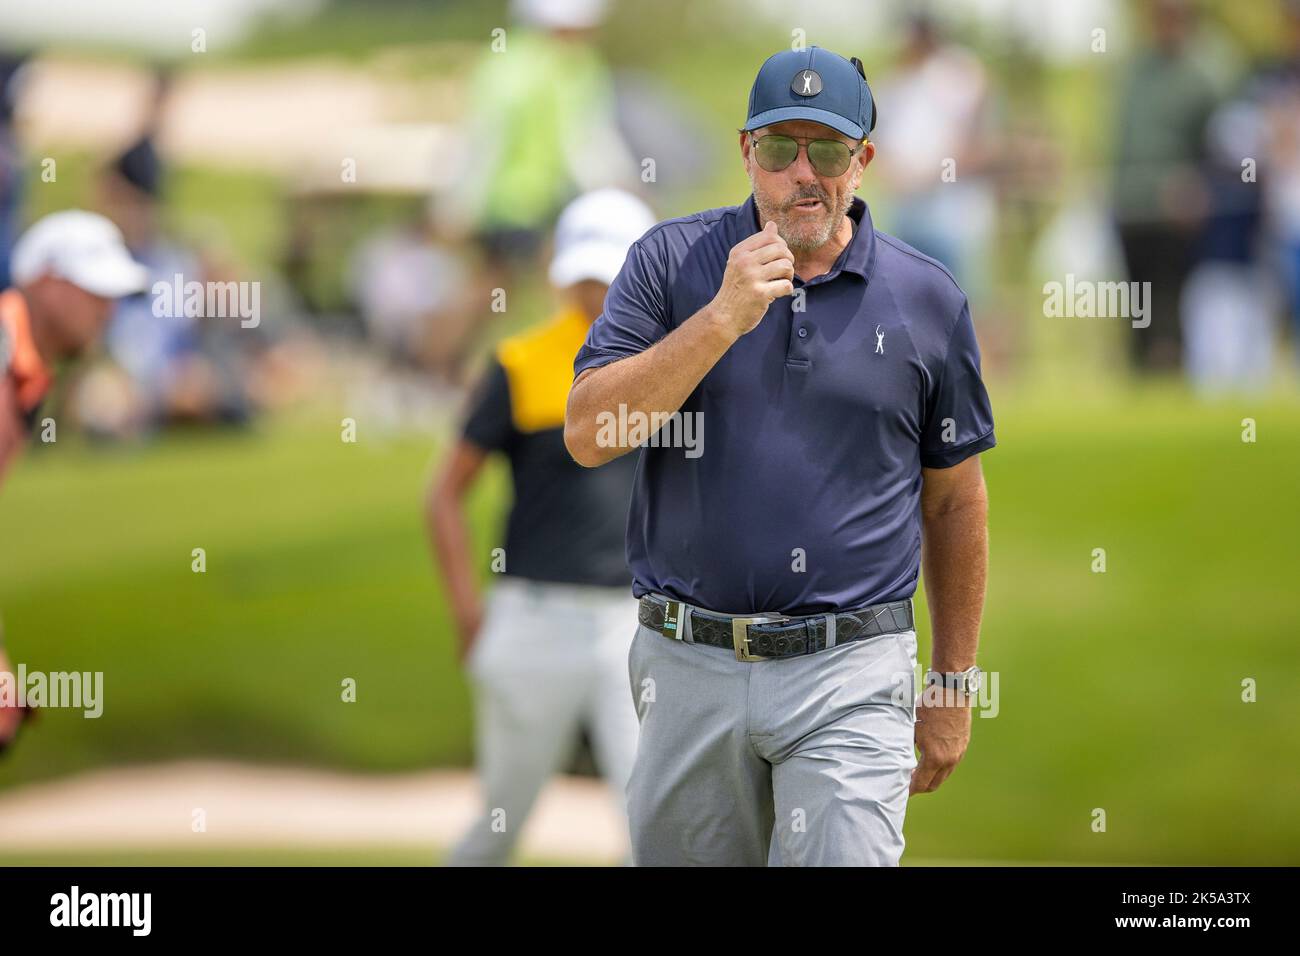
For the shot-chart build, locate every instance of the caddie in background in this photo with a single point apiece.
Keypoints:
(67, 269)
(837, 374)
(549, 652)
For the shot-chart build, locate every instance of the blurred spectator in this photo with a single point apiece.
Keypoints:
(935, 152)
(660, 124)
(542, 127)
(549, 654)
(1165, 100)
(11, 163)
(175, 368)
(412, 290)
(1228, 305)
(67, 268)
(1277, 89)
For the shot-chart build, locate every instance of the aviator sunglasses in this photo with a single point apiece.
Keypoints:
(829, 157)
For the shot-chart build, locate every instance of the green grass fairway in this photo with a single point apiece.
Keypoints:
(1119, 691)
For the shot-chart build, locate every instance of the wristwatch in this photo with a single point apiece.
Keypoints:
(968, 681)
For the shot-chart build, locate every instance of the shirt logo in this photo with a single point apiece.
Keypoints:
(807, 83)
(880, 341)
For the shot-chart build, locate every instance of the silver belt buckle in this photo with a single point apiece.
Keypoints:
(740, 634)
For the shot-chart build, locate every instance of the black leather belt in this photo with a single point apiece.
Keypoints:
(761, 637)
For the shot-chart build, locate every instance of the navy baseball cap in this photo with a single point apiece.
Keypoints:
(812, 84)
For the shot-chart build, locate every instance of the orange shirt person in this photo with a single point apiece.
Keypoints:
(67, 269)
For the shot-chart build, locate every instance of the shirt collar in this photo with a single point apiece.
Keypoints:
(858, 257)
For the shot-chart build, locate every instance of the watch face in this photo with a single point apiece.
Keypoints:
(973, 679)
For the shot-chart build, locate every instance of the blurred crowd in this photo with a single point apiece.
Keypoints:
(1200, 171)
(161, 361)
(1207, 199)
(1197, 192)
(1199, 175)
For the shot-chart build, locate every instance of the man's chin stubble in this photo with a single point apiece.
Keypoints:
(808, 243)
(824, 231)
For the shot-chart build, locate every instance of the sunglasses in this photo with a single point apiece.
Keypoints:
(829, 157)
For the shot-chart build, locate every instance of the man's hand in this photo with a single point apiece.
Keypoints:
(11, 718)
(942, 733)
(660, 379)
(468, 622)
(759, 269)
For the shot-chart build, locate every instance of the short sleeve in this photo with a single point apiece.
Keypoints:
(635, 316)
(959, 419)
(489, 424)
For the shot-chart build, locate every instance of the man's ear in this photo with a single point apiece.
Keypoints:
(863, 158)
(746, 147)
(867, 155)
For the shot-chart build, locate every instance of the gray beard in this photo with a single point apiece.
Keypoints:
(819, 238)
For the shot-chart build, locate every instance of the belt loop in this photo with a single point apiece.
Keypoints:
(830, 630)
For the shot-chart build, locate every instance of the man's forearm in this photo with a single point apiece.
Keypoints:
(450, 538)
(954, 558)
(659, 379)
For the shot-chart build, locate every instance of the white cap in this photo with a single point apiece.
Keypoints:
(82, 247)
(593, 236)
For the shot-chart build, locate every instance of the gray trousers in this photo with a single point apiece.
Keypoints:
(804, 761)
(549, 657)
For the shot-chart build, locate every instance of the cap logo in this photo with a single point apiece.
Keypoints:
(807, 83)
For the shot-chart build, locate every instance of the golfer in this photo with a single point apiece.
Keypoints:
(67, 269)
(549, 654)
(835, 375)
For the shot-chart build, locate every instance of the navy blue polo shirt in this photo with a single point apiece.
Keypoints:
(805, 496)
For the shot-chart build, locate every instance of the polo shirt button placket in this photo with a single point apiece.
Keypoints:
(797, 354)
